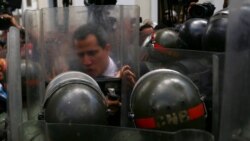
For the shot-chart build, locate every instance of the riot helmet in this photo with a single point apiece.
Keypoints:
(191, 32)
(74, 97)
(167, 100)
(165, 38)
(214, 38)
(160, 44)
(30, 73)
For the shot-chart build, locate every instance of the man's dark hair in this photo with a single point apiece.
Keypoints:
(145, 26)
(83, 31)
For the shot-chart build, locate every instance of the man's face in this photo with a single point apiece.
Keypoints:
(145, 33)
(94, 58)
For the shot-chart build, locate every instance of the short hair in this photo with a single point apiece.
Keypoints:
(83, 31)
(146, 26)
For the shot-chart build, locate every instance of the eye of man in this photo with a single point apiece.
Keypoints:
(88, 53)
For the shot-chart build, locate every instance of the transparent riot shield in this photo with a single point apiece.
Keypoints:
(234, 124)
(53, 46)
(31, 71)
(40, 131)
(205, 69)
(14, 84)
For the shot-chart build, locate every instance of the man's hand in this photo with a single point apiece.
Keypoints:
(126, 73)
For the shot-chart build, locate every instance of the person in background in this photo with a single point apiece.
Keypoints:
(12, 19)
(145, 31)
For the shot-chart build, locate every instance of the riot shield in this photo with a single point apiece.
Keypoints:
(234, 124)
(14, 84)
(31, 71)
(40, 131)
(51, 36)
(205, 69)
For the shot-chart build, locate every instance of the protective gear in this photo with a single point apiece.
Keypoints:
(74, 97)
(191, 33)
(199, 70)
(165, 38)
(30, 72)
(158, 45)
(235, 105)
(214, 38)
(166, 100)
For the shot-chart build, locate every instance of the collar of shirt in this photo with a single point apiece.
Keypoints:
(111, 69)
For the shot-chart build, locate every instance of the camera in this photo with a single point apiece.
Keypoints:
(204, 10)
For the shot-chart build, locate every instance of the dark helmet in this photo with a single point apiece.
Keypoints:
(214, 38)
(165, 38)
(30, 73)
(167, 100)
(191, 32)
(74, 97)
(160, 43)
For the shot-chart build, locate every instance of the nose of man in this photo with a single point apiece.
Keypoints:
(86, 60)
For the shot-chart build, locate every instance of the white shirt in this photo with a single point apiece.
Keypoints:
(111, 69)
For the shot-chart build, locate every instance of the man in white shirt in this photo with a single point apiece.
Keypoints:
(94, 52)
(91, 47)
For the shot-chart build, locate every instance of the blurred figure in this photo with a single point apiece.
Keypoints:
(3, 71)
(145, 31)
(148, 21)
(11, 19)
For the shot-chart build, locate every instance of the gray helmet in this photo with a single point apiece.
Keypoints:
(74, 97)
(165, 38)
(167, 100)
(30, 73)
(160, 45)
